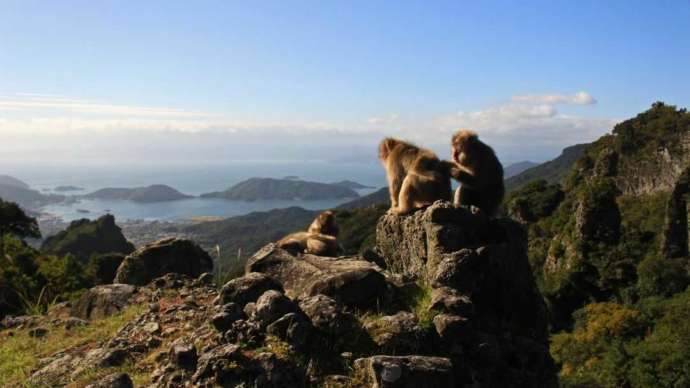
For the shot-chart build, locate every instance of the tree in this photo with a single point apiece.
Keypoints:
(14, 221)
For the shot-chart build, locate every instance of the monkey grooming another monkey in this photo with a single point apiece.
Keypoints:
(319, 240)
(479, 172)
(416, 176)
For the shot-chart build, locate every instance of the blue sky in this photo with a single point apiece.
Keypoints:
(217, 79)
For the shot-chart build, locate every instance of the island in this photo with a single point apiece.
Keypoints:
(153, 193)
(67, 188)
(351, 185)
(254, 189)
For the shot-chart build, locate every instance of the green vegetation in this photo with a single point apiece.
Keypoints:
(19, 352)
(76, 259)
(269, 188)
(620, 307)
(84, 238)
(358, 228)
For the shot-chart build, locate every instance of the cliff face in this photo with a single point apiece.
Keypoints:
(446, 299)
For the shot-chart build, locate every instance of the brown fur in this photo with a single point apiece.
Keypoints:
(324, 223)
(479, 172)
(318, 240)
(416, 176)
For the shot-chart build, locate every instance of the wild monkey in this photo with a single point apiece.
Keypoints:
(479, 172)
(319, 240)
(416, 176)
(324, 223)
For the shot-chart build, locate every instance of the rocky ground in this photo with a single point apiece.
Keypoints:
(446, 300)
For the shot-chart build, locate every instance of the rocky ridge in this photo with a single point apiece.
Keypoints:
(446, 299)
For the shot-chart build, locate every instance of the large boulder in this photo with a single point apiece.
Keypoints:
(350, 280)
(103, 301)
(486, 307)
(170, 255)
(247, 288)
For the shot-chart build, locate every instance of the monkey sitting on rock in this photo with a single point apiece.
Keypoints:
(319, 239)
(479, 172)
(416, 176)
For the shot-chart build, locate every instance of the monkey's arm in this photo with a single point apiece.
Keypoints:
(465, 176)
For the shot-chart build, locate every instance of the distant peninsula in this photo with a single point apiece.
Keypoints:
(351, 185)
(67, 188)
(254, 189)
(153, 193)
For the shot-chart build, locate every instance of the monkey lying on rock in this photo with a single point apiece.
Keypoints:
(479, 172)
(320, 239)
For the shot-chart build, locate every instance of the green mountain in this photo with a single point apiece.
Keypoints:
(287, 189)
(153, 193)
(609, 250)
(553, 171)
(84, 238)
(378, 197)
(517, 168)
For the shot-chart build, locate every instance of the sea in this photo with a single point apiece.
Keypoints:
(188, 179)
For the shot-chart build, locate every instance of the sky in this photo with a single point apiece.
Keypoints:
(149, 82)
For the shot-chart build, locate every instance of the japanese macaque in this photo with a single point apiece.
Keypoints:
(480, 173)
(319, 240)
(324, 223)
(416, 176)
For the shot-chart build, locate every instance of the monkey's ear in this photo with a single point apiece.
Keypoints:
(385, 148)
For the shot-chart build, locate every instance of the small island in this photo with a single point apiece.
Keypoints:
(61, 189)
(153, 193)
(254, 189)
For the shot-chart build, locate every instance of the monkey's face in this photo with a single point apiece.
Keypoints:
(384, 150)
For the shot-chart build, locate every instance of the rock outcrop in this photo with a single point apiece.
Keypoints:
(170, 255)
(351, 280)
(455, 306)
(103, 301)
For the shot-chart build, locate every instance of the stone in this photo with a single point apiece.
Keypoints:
(115, 380)
(247, 288)
(449, 300)
(103, 301)
(152, 328)
(406, 371)
(170, 255)
(452, 328)
(272, 305)
(183, 354)
(71, 323)
(293, 328)
(460, 270)
(353, 281)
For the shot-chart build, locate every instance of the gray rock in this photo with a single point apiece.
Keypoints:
(408, 371)
(453, 327)
(103, 301)
(293, 328)
(415, 244)
(352, 281)
(247, 288)
(449, 300)
(170, 255)
(115, 380)
(183, 354)
(272, 305)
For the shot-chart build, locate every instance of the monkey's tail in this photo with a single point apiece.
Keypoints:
(451, 169)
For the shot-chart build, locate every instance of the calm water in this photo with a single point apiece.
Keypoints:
(192, 180)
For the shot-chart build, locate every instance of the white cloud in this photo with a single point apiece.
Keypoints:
(579, 98)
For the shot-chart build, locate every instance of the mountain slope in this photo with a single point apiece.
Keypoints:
(28, 198)
(517, 168)
(552, 171)
(7, 180)
(286, 189)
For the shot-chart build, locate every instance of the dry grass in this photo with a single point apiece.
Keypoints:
(19, 353)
